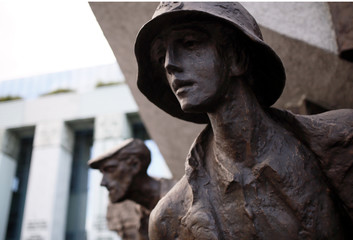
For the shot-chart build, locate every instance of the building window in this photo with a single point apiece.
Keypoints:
(138, 130)
(76, 214)
(19, 189)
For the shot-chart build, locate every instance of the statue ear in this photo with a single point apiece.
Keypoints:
(238, 63)
(134, 164)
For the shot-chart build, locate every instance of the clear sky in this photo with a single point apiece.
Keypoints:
(39, 37)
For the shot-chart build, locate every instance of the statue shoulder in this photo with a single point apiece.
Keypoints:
(166, 216)
(166, 185)
(327, 132)
(330, 136)
(321, 132)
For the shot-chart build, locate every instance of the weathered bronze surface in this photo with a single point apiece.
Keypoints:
(124, 170)
(255, 172)
(128, 219)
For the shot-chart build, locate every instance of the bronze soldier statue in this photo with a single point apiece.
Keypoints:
(124, 170)
(254, 172)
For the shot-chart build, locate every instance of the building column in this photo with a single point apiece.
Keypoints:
(9, 146)
(48, 183)
(109, 130)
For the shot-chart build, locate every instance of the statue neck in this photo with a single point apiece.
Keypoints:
(145, 191)
(239, 123)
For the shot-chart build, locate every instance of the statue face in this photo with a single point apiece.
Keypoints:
(117, 177)
(192, 64)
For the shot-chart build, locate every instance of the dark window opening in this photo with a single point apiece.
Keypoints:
(137, 128)
(19, 189)
(76, 213)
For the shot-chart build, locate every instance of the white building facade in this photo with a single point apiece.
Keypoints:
(47, 190)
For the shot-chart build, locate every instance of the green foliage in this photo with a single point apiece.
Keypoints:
(60, 90)
(103, 84)
(9, 98)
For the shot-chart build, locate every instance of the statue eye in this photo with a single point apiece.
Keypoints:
(190, 43)
(161, 60)
(193, 39)
(110, 169)
(158, 51)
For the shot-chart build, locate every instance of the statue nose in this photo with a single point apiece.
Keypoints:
(171, 61)
(104, 182)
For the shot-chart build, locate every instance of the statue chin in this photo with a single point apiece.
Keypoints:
(198, 108)
(116, 198)
(188, 108)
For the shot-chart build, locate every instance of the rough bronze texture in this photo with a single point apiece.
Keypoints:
(124, 170)
(128, 219)
(254, 172)
(342, 17)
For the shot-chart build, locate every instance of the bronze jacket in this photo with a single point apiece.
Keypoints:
(305, 192)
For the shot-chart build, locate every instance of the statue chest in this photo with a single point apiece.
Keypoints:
(283, 197)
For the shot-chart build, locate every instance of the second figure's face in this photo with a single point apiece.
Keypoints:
(117, 177)
(192, 64)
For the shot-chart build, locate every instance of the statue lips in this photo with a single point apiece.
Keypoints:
(115, 194)
(181, 86)
(110, 189)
